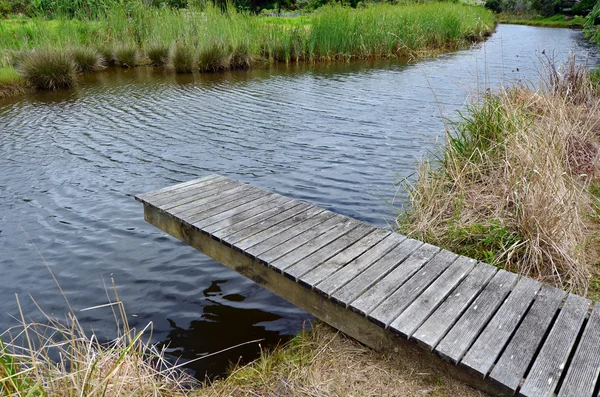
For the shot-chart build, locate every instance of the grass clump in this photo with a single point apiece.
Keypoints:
(127, 56)
(513, 185)
(11, 83)
(48, 69)
(324, 362)
(87, 60)
(214, 57)
(183, 58)
(158, 54)
(108, 55)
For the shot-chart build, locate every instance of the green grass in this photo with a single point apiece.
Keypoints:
(87, 59)
(48, 69)
(556, 21)
(183, 58)
(234, 39)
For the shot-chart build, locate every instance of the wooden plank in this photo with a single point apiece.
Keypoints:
(238, 209)
(146, 197)
(552, 358)
(271, 254)
(251, 236)
(249, 217)
(218, 206)
(340, 260)
(483, 354)
(387, 275)
(416, 314)
(454, 345)
(347, 273)
(241, 194)
(397, 302)
(584, 369)
(382, 268)
(439, 323)
(190, 199)
(285, 261)
(514, 361)
(286, 231)
(313, 260)
(262, 218)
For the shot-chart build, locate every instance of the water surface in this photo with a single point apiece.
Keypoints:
(338, 135)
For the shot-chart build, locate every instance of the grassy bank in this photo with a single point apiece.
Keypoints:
(516, 184)
(207, 39)
(556, 21)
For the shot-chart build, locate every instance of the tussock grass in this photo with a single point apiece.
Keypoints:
(324, 362)
(127, 56)
(513, 184)
(11, 83)
(48, 69)
(183, 58)
(214, 57)
(87, 59)
(58, 358)
(158, 54)
(108, 55)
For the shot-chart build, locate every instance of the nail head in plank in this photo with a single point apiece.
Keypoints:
(552, 358)
(454, 345)
(483, 354)
(410, 255)
(584, 370)
(343, 258)
(246, 238)
(358, 265)
(310, 247)
(514, 361)
(445, 316)
(285, 232)
(386, 276)
(397, 302)
(433, 296)
(336, 221)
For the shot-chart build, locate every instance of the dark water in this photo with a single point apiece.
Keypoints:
(337, 135)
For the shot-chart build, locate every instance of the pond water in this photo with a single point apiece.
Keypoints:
(339, 135)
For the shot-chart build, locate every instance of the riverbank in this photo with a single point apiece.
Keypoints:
(51, 54)
(517, 183)
(556, 21)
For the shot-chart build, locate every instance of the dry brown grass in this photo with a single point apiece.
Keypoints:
(324, 362)
(514, 183)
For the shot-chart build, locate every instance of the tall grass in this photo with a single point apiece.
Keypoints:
(513, 185)
(134, 33)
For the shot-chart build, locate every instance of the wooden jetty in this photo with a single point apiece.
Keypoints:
(505, 334)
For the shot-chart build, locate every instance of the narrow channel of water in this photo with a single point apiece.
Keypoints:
(338, 135)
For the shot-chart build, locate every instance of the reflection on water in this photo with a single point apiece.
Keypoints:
(338, 135)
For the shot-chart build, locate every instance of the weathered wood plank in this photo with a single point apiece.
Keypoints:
(382, 268)
(262, 218)
(483, 354)
(397, 302)
(454, 345)
(439, 323)
(251, 236)
(353, 269)
(514, 361)
(285, 232)
(340, 260)
(418, 311)
(552, 358)
(222, 212)
(145, 197)
(584, 370)
(244, 195)
(186, 202)
(322, 254)
(385, 276)
(334, 225)
(249, 217)
(285, 261)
